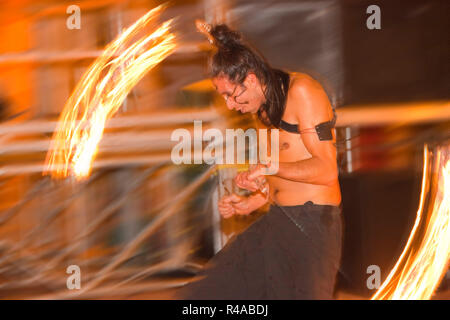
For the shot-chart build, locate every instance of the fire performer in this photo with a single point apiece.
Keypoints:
(294, 250)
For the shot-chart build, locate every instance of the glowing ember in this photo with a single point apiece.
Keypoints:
(100, 93)
(425, 258)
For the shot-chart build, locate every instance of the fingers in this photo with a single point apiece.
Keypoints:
(232, 198)
(239, 180)
(226, 210)
(227, 213)
(233, 204)
(255, 174)
(260, 182)
(231, 210)
(243, 182)
(241, 208)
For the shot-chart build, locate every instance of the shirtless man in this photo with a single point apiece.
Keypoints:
(293, 251)
(307, 170)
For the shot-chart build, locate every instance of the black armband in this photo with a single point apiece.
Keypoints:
(324, 129)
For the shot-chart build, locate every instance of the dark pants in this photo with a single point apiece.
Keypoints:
(292, 252)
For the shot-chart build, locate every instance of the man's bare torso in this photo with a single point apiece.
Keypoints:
(286, 192)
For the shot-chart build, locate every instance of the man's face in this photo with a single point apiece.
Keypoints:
(245, 97)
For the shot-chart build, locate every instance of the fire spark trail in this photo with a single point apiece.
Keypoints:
(425, 258)
(100, 93)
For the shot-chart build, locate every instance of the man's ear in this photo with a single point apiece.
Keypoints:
(251, 80)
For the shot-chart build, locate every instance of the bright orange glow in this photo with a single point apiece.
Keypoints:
(425, 258)
(100, 93)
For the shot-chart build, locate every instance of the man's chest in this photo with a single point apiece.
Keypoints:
(289, 145)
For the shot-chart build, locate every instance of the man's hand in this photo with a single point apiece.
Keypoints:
(253, 179)
(258, 171)
(243, 182)
(234, 204)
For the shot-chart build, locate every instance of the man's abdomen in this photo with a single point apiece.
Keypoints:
(288, 193)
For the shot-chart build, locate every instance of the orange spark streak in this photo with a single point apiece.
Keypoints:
(100, 93)
(425, 258)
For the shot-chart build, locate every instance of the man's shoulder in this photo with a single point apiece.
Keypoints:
(307, 97)
(302, 83)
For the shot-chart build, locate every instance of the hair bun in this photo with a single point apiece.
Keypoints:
(225, 37)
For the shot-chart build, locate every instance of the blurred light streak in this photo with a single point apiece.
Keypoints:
(155, 118)
(100, 93)
(50, 57)
(424, 260)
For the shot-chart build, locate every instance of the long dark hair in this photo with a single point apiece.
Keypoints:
(235, 59)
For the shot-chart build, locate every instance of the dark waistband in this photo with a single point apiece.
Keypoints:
(309, 205)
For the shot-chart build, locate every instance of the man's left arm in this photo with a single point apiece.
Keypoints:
(313, 108)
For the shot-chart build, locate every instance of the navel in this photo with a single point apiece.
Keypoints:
(284, 146)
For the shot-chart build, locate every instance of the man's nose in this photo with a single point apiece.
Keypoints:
(230, 104)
